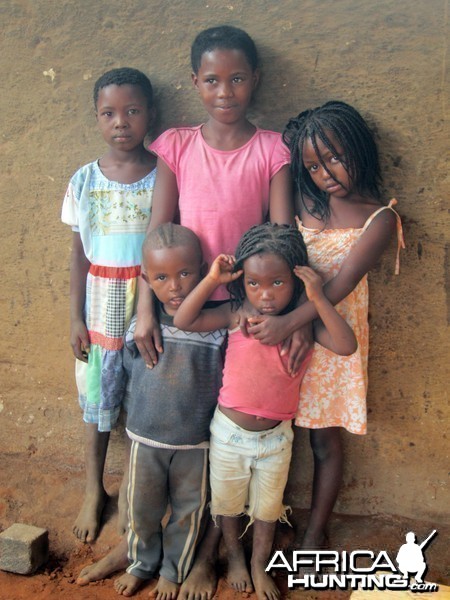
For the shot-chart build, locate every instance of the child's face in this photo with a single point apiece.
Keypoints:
(123, 116)
(337, 182)
(226, 82)
(172, 273)
(268, 283)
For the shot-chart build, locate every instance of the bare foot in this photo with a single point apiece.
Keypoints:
(116, 560)
(128, 584)
(165, 590)
(238, 576)
(87, 524)
(265, 586)
(201, 583)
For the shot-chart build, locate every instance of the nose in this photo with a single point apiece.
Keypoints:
(267, 293)
(174, 285)
(121, 121)
(225, 90)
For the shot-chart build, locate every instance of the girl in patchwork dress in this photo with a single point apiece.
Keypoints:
(107, 204)
(346, 228)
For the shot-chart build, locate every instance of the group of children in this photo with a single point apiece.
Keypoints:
(214, 357)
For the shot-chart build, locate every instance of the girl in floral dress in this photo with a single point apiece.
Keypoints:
(346, 228)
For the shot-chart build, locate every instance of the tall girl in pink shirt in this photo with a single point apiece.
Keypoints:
(251, 432)
(223, 176)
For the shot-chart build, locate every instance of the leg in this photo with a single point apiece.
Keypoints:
(87, 524)
(238, 575)
(122, 522)
(263, 536)
(201, 583)
(188, 491)
(328, 463)
(147, 498)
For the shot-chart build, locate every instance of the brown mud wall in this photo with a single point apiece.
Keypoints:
(388, 58)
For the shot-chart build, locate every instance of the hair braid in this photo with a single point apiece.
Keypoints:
(359, 152)
(282, 240)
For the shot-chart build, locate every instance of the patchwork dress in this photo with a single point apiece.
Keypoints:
(333, 391)
(111, 219)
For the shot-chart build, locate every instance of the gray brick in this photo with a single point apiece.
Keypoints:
(23, 548)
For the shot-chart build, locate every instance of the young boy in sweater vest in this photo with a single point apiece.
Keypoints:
(170, 409)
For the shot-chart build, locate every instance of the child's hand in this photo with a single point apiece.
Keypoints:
(312, 280)
(221, 270)
(79, 340)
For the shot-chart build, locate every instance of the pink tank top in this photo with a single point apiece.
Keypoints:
(255, 381)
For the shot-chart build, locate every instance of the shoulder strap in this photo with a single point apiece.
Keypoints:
(400, 238)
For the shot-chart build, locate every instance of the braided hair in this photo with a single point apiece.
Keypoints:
(125, 76)
(284, 241)
(359, 154)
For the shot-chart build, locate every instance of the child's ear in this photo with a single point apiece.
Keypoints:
(255, 79)
(145, 278)
(194, 78)
(203, 269)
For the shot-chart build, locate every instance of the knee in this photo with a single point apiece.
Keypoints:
(326, 444)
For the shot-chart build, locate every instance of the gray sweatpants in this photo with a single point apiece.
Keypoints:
(159, 478)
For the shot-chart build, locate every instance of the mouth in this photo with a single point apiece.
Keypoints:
(334, 187)
(176, 301)
(121, 138)
(267, 310)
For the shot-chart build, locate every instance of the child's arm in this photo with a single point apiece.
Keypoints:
(164, 210)
(362, 258)
(79, 267)
(281, 202)
(331, 331)
(190, 316)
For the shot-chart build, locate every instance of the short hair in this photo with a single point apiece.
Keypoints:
(285, 241)
(350, 130)
(170, 235)
(223, 37)
(125, 76)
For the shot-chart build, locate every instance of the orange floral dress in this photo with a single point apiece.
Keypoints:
(333, 391)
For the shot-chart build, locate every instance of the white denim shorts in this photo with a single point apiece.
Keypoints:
(249, 469)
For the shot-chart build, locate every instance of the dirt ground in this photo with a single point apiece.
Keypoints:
(36, 492)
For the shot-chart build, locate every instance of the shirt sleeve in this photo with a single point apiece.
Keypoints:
(280, 156)
(166, 147)
(70, 208)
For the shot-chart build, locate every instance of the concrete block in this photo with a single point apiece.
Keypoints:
(23, 548)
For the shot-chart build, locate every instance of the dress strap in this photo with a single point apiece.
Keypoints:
(400, 238)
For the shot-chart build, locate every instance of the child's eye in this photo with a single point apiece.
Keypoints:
(184, 274)
(211, 80)
(161, 278)
(107, 113)
(335, 159)
(133, 111)
(277, 283)
(237, 79)
(313, 168)
(252, 283)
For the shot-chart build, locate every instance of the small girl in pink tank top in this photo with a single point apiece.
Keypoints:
(251, 432)
(346, 228)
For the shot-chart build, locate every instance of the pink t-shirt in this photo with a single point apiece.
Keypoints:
(255, 381)
(221, 193)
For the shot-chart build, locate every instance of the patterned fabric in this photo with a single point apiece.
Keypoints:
(111, 218)
(333, 391)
